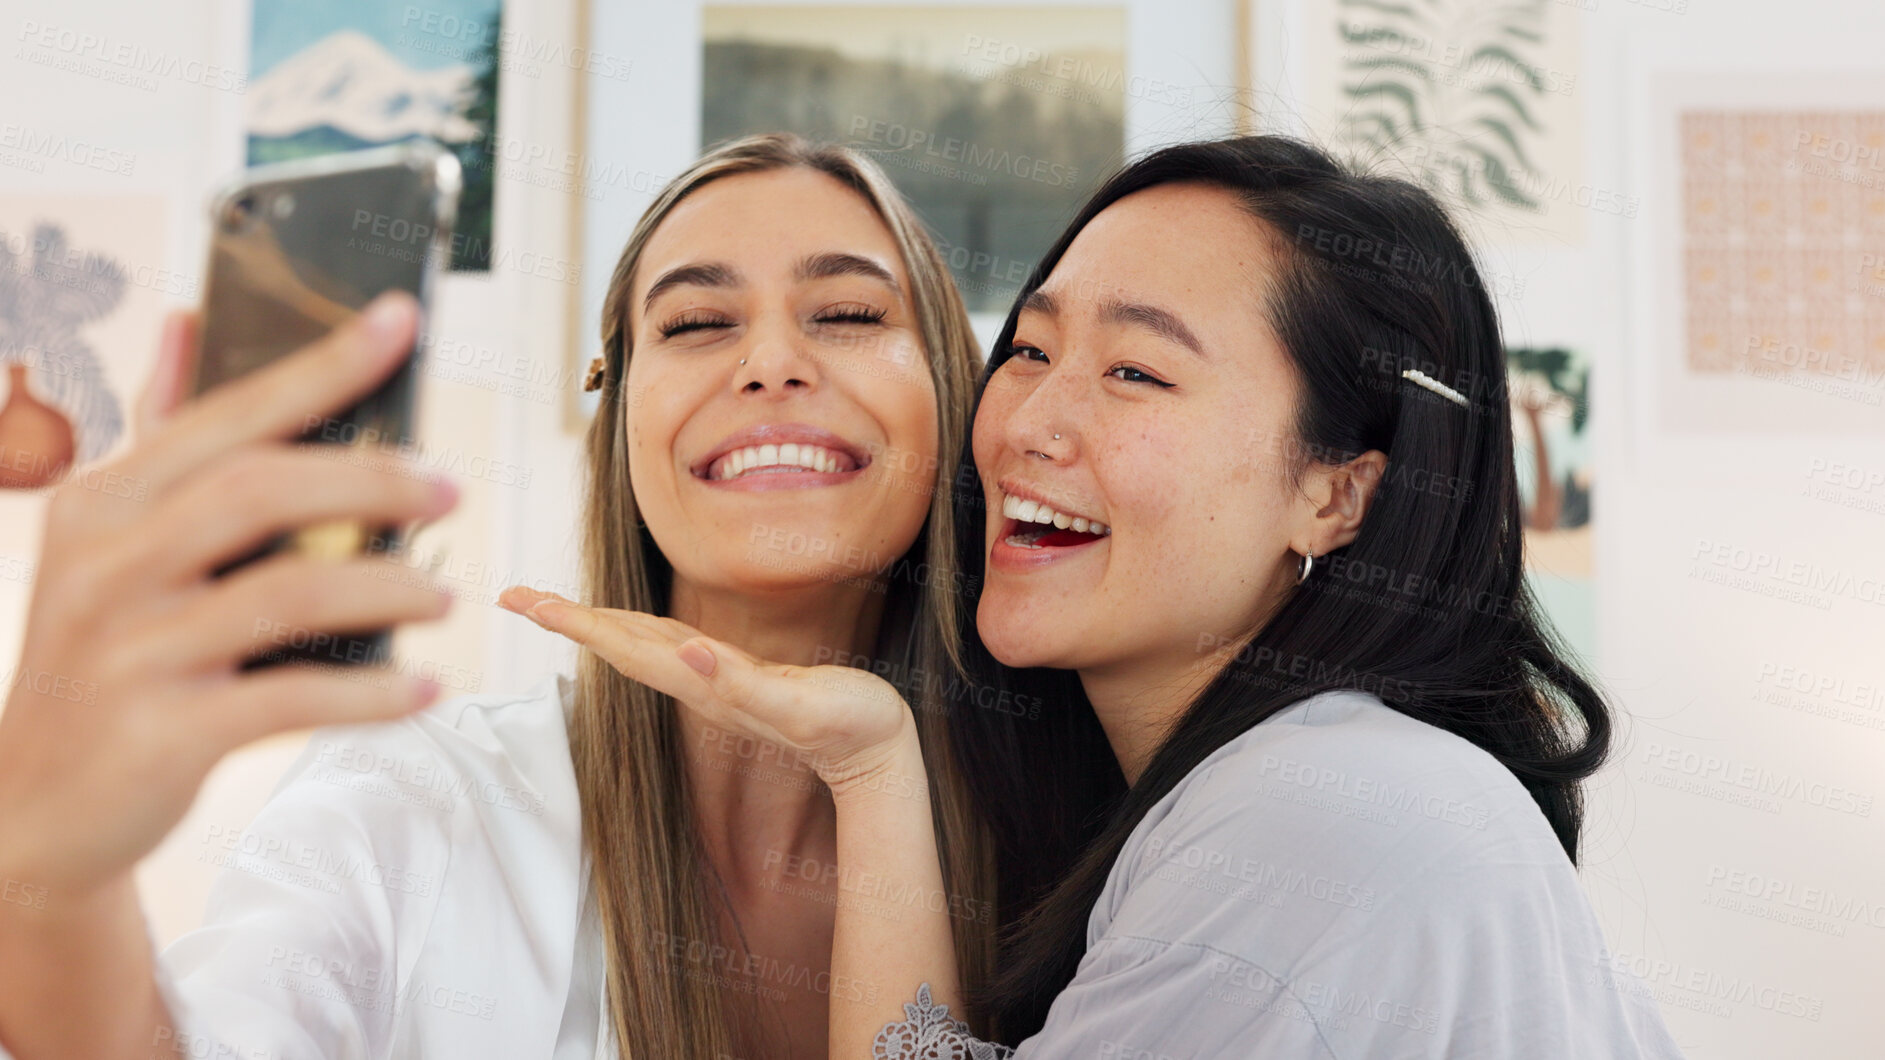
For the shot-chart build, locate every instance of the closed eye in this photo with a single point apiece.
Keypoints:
(851, 314)
(694, 321)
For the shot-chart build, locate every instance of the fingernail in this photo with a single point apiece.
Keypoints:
(386, 316)
(444, 496)
(698, 656)
(537, 613)
(424, 691)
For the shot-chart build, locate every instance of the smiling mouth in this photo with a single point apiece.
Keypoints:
(1034, 525)
(791, 458)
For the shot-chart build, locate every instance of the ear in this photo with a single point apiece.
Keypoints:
(1342, 493)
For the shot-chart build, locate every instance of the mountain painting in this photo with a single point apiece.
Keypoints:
(351, 74)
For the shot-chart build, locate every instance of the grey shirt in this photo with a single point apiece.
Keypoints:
(1342, 881)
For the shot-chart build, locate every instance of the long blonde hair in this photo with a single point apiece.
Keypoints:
(649, 872)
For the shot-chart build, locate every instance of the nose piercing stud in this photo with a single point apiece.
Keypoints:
(1057, 437)
(742, 360)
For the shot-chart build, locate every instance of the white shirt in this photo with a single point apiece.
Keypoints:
(1341, 882)
(413, 889)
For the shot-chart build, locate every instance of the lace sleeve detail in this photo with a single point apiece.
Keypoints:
(929, 1034)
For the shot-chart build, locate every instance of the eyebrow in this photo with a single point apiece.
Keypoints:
(1161, 322)
(1039, 301)
(699, 274)
(811, 267)
(837, 263)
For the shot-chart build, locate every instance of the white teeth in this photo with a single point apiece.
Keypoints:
(790, 455)
(1031, 511)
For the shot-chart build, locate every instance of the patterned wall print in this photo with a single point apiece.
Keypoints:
(1475, 99)
(83, 284)
(1783, 250)
(58, 411)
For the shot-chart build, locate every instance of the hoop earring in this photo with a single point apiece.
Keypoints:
(1308, 564)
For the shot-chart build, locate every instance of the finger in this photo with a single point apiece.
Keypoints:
(289, 603)
(285, 698)
(278, 401)
(642, 651)
(763, 697)
(249, 498)
(521, 598)
(170, 373)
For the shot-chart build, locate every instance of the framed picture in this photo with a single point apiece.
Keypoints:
(1767, 248)
(1550, 389)
(1475, 100)
(995, 122)
(343, 76)
(1166, 66)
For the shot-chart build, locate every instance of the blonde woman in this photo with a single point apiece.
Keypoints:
(581, 870)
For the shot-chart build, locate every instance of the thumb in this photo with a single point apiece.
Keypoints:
(170, 373)
(738, 681)
(698, 653)
(730, 674)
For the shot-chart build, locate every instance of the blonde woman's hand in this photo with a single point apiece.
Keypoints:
(851, 727)
(128, 687)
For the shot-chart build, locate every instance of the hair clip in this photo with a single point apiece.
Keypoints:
(593, 381)
(1421, 378)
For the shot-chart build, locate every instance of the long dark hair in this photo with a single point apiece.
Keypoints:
(1427, 609)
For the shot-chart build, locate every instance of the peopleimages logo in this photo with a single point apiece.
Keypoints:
(966, 153)
(1369, 791)
(1756, 780)
(435, 777)
(1818, 901)
(1267, 877)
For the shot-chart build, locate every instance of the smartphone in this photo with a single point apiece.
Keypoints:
(296, 249)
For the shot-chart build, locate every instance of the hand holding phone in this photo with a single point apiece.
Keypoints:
(128, 689)
(297, 249)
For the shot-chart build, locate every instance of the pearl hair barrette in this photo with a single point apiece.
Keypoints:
(1422, 379)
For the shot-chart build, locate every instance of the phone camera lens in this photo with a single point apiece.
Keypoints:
(240, 213)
